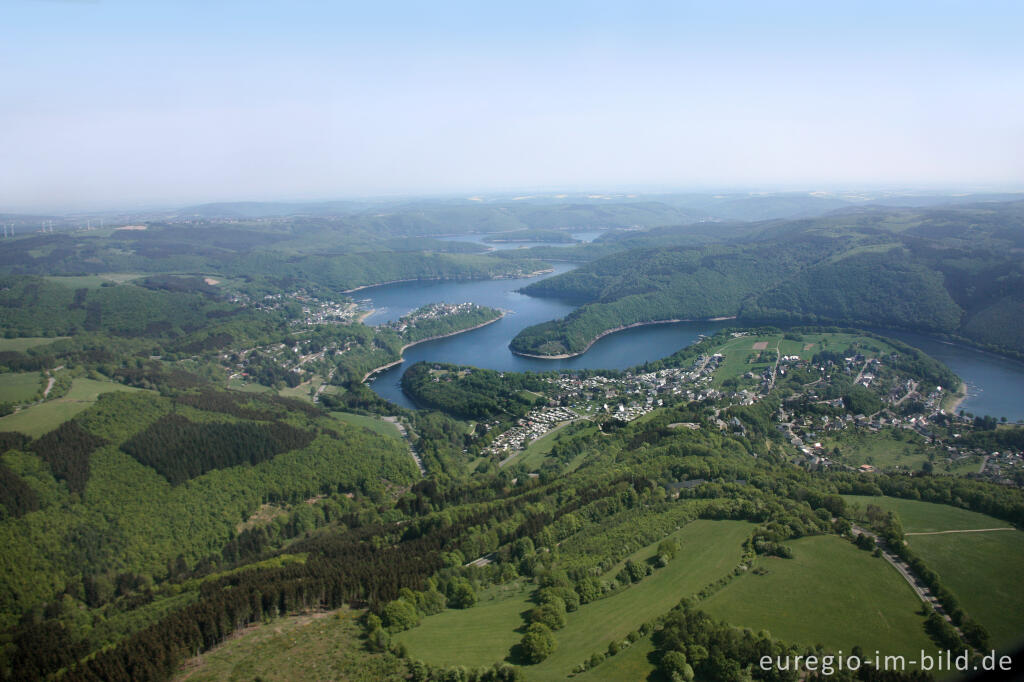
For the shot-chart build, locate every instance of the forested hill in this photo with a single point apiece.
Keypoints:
(953, 270)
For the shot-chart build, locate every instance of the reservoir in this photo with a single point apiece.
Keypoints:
(995, 385)
(488, 346)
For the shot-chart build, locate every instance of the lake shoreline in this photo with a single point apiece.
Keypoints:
(565, 356)
(957, 399)
(401, 351)
(535, 273)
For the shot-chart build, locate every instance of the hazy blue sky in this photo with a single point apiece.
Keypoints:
(121, 103)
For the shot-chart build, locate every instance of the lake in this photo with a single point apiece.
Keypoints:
(587, 236)
(995, 384)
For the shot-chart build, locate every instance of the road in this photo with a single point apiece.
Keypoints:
(405, 434)
(923, 593)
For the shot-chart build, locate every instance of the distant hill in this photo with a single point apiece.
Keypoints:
(955, 270)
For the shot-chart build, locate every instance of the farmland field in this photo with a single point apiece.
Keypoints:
(537, 451)
(477, 636)
(928, 517)
(375, 424)
(38, 419)
(19, 387)
(829, 593)
(983, 571)
(485, 633)
(92, 281)
(309, 647)
(632, 663)
(24, 343)
(885, 449)
(748, 353)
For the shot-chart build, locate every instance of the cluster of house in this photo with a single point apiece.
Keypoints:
(296, 359)
(319, 311)
(638, 390)
(534, 425)
(1006, 467)
(432, 311)
(313, 309)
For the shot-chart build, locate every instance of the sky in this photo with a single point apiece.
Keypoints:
(120, 104)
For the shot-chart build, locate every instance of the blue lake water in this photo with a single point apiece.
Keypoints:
(488, 346)
(995, 384)
(587, 236)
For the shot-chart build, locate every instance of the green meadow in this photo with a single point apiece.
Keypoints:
(38, 419)
(19, 387)
(485, 633)
(375, 424)
(829, 593)
(928, 517)
(23, 343)
(322, 646)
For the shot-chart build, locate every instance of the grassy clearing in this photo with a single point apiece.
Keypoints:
(20, 387)
(323, 646)
(93, 281)
(983, 570)
(39, 419)
(537, 451)
(487, 632)
(829, 593)
(478, 636)
(928, 517)
(710, 550)
(248, 386)
(375, 424)
(890, 449)
(24, 343)
(741, 356)
(303, 391)
(632, 663)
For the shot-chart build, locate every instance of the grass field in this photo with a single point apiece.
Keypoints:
(740, 356)
(302, 391)
(19, 387)
(24, 343)
(631, 664)
(485, 633)
(829, 593)
(927, 517)
(38, 419)
(886, 449)
(983, 571)
(93, 281)
(323, 646)
(537, 451)
(748, 353)
(248, 386)
(478, 636)
(373, 423)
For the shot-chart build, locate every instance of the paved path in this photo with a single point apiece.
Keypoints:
(923, 593)
(412, 451)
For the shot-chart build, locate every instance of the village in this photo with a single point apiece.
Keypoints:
(432, 311)
(807, 418)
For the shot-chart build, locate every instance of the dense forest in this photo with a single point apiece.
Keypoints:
(951, 271)
(471, 393)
